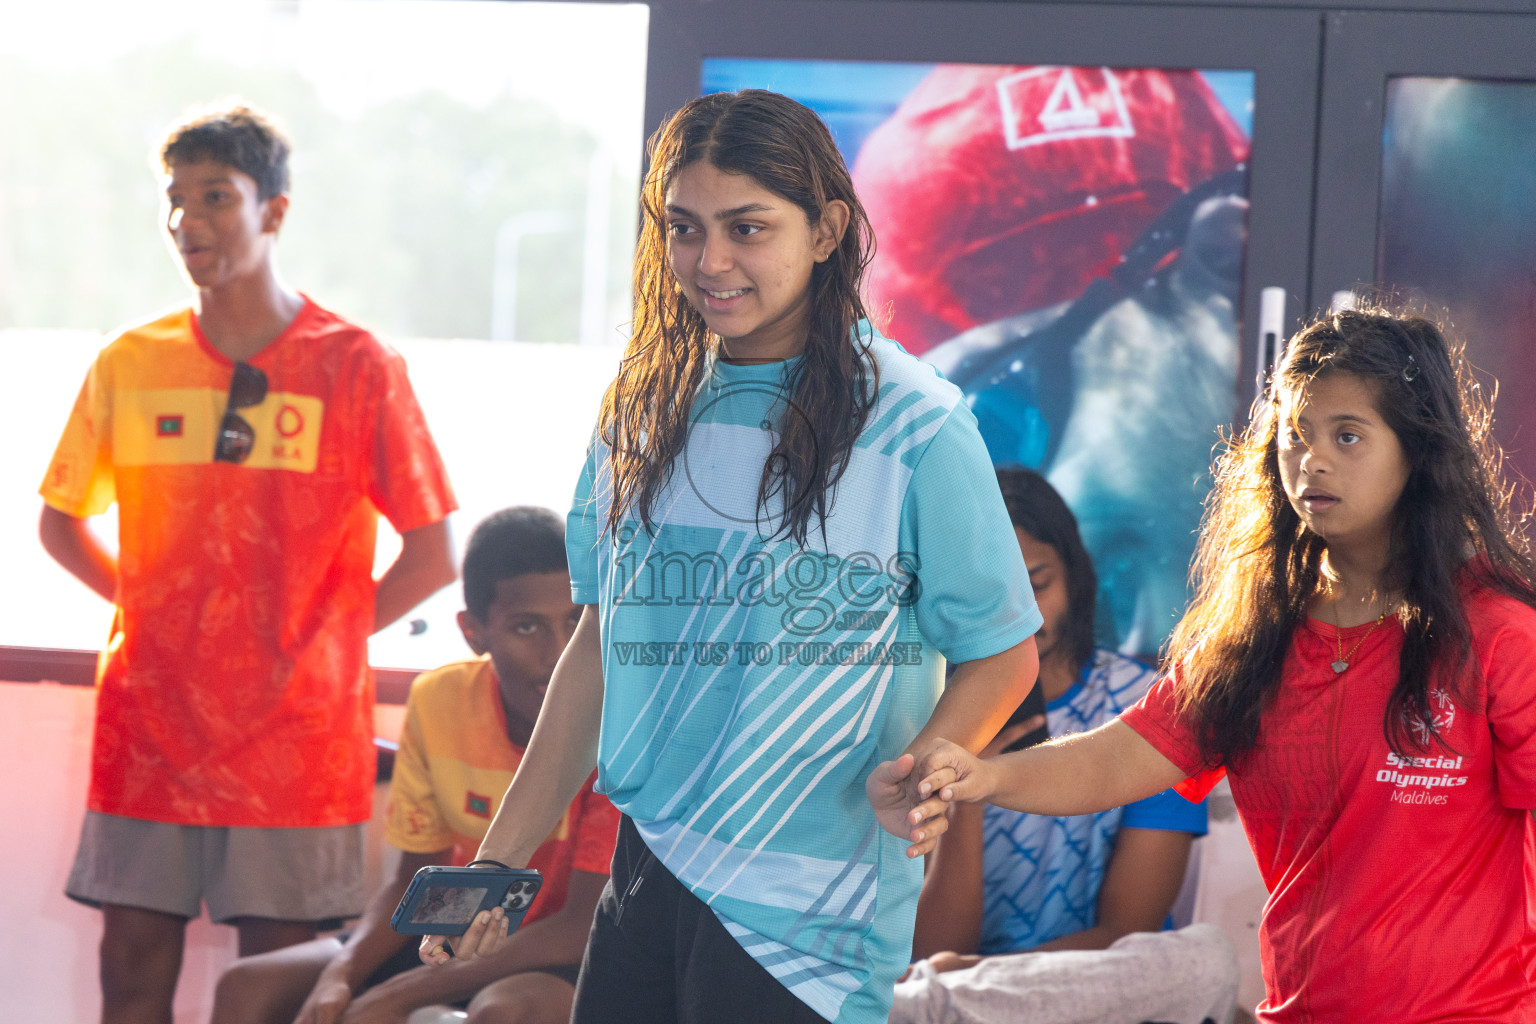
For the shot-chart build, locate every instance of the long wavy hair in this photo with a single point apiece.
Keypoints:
(1257, 567)
(784, 147)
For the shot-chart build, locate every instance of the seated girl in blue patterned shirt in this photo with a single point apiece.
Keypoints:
(1004, 882)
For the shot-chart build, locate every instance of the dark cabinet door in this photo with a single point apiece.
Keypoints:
(1426, 187)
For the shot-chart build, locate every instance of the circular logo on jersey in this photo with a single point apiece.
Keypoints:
(709, 471)
(1443, 710)
(290, 422)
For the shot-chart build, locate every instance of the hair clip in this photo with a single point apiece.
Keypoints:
(1411, 370)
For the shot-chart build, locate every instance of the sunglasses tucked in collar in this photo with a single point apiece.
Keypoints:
(237, 437)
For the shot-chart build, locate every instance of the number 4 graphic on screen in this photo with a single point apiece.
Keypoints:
(1053, 104)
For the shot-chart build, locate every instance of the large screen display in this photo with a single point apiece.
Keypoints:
(1066, 244)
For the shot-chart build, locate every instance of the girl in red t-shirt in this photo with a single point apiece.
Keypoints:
(1359, 661)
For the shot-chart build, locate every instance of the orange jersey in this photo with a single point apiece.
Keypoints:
(235, 688)
(454, 766)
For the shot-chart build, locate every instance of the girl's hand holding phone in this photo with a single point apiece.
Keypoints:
(485, 935)
(481, 905)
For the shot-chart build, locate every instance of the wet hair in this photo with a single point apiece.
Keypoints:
(1035, 507)
(236, 135)
(1257, 567)
(512, 542)
(784, 147)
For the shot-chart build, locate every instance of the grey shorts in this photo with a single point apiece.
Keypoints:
(288, 874)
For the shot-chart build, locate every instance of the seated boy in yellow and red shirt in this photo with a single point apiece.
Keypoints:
(466, 727)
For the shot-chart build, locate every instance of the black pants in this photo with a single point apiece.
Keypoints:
(657, 954)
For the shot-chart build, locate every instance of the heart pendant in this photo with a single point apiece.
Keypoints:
(1340, 666)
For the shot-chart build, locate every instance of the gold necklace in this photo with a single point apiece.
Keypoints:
(1338, 641)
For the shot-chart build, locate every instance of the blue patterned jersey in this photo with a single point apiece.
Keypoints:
(1042, 875)
(751, 685)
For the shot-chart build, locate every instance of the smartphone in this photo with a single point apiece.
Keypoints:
(1033, 705)
(444, 900)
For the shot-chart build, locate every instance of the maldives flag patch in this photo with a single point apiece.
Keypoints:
(167, 426)
(479, 806)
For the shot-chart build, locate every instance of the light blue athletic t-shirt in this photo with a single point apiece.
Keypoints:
(751, 685)
(1041, 876)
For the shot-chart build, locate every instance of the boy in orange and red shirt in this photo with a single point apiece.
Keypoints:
(250, 443)
(466, 727)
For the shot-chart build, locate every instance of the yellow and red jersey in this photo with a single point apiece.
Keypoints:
(455, 764)
(235, 689)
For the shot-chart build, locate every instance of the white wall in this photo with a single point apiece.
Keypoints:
(1230, 892)
(48, 942)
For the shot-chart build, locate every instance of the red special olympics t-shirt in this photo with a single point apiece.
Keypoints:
(1398, 889)
(235, 688)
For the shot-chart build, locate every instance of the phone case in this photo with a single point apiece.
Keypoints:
(444, 900)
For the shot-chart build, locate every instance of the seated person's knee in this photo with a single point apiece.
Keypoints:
(529, 998)
(239, 992)
(270, 987)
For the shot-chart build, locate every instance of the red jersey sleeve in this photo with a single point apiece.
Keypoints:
(1508, 658)
(1156, 719)
(597, 831)
(407, 482)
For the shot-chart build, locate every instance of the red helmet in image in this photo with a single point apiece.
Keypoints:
(995, 190)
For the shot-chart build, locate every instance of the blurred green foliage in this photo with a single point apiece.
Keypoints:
(394, 213)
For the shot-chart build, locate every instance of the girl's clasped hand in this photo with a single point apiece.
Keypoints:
(913, 799)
